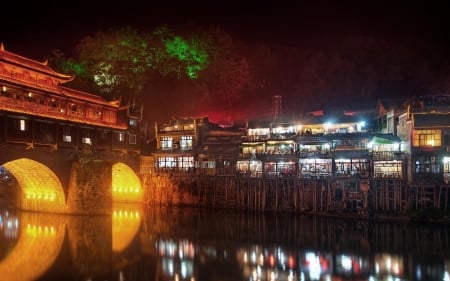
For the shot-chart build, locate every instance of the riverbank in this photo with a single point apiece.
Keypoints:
(331, 198)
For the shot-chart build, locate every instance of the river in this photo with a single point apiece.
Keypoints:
(156, 244)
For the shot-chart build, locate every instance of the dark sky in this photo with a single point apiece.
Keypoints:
(34, 28)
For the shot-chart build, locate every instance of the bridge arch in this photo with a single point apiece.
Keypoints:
(126, 185)
(39, 187)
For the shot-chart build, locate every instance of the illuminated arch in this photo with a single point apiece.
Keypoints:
(126, 186)
(126, 221)
(41, 188)
(40, 242)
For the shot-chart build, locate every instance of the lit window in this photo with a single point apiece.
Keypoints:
(22, 125)
(186, 142)
(120, 137)
(166, 162)
(427, 138)
(66, 134)
(166, 142)
(86, 140)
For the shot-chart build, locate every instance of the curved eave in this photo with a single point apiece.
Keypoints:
(30, 64)
(86, 97)
(78, 120)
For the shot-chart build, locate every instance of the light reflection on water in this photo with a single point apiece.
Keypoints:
(194, 244)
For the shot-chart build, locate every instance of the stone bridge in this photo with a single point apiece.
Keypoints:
(69, 181)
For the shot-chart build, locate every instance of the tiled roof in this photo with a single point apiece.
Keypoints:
(84, 96)
(31, 64)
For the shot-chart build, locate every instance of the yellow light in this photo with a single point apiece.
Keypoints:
(30, 183)
(125, 226)
(126, 185)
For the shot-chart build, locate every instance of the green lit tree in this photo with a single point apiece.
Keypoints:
(82, 80)
(118, 61)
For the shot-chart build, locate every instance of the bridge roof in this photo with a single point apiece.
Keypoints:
(30, 64)
(19, 62)
(87, 97)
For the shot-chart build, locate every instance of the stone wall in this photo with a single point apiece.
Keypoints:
(165, 189)
(90, 188)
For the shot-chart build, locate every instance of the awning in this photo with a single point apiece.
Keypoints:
(381, 140)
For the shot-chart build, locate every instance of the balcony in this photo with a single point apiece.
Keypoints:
(315, 155)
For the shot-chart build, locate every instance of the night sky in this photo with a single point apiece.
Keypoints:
(33, 29)
(36, 28)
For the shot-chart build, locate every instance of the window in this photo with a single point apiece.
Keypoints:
(427, 138)
(103, 135)
(86, 141)
(186, 142)
(132, 139)
(166, 162)
(185, 162)
(351, 166)
(166, 142)
(133, 123)
(66, 134)
(22, 125)
(446, 138)
(86, 135)
(427, 165)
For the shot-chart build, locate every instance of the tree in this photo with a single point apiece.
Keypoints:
(118, 61)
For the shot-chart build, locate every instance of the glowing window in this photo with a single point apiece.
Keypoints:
(22, 125)
(66, 134)
(86, 140)
(427, 138)
(168, 162)
(166, 142)
(186, 142)
(185, 161)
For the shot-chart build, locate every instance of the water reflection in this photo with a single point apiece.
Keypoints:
(33, 244)
(194, 244)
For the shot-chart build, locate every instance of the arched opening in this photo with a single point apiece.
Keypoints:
(126, 185)
(39, 189)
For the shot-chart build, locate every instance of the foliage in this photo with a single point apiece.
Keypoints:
(192, 70)
(118, 60)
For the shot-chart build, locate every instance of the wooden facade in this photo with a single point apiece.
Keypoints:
(312, 167)
(37, 110)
